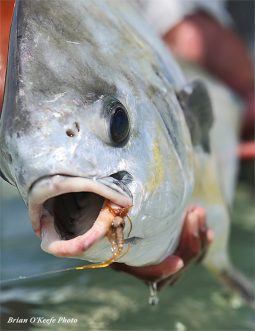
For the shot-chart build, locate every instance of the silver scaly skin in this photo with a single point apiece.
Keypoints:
(70, 63)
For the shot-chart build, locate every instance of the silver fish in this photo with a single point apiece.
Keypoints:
(96, 108)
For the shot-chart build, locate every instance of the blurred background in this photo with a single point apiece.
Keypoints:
(107, 300)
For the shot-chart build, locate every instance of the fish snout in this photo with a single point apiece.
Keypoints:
(66, 212)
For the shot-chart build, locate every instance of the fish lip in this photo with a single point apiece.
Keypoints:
(51, 186)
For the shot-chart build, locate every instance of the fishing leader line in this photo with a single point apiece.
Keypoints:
(103, 264)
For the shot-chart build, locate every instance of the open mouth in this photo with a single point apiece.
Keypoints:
(68, 212)
(74, 213)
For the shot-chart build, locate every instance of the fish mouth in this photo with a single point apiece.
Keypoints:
(64, 210)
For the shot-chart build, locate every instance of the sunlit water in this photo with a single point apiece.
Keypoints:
(108, 300)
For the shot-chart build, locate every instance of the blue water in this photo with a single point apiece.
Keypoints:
(108, 300)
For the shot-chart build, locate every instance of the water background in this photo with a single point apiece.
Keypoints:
(108, 300)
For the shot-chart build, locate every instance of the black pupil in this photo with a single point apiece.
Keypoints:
(119, 126)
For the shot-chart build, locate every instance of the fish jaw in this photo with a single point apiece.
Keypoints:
(45, 191)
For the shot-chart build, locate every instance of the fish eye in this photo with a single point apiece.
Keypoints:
(119, 124)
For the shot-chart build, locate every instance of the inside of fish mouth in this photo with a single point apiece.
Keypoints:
(74, 213)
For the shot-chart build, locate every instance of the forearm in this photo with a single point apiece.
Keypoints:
(199, 38)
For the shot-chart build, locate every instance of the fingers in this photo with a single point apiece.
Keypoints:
(210, 236)
(190, 244)
(195, 237)
(194, 241)
(193, 220)
(171, 265)
(202, 231)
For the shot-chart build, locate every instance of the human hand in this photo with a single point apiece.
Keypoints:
(194, 241)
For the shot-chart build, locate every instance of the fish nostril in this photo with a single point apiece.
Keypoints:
(74, 131)
(70, 133)
(77, 126)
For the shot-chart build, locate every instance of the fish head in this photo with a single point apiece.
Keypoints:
(86, 119)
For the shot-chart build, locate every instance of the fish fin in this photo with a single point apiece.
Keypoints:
(236, 282)
(197, 108)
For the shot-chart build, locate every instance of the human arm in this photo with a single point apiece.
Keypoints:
(201, 39)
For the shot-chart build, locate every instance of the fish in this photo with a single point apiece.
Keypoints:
(97, 111)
